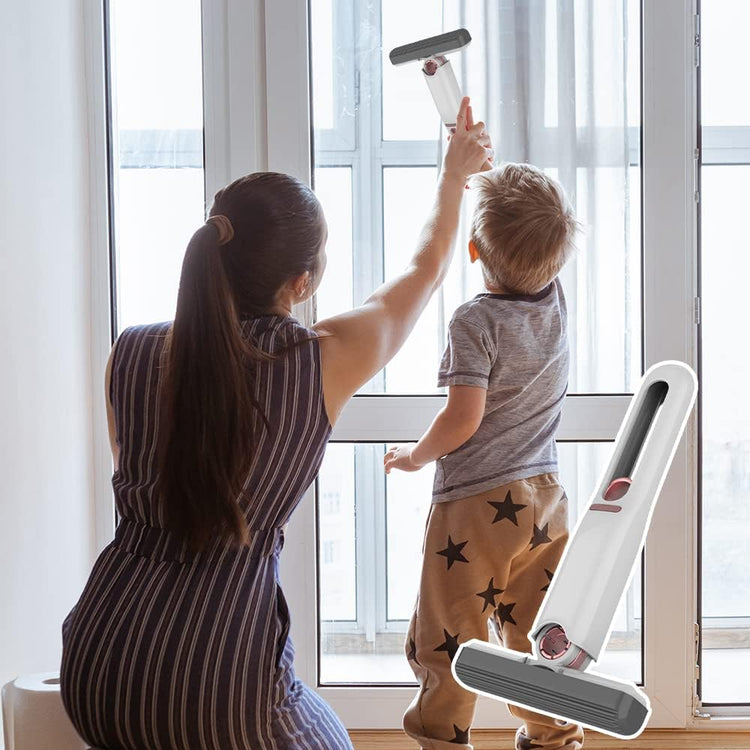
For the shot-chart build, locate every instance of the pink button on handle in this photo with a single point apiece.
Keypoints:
(617, 488)
(606, 508)
(554, 643)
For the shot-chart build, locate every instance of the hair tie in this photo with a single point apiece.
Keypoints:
(223, 227)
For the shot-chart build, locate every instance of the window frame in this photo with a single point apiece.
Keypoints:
(716, 146)
(96, 61)
(721, 146)
(667, 173)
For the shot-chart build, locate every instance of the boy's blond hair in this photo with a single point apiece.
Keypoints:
(523, 227)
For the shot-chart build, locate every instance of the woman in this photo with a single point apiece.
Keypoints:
(218, 424)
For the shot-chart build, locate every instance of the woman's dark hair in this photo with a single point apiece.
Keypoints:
(210, 416)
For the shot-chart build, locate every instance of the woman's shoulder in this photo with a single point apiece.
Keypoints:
(145, 329)
(278, 332)
(134, 337)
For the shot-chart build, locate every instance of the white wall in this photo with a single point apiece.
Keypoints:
(46, 507)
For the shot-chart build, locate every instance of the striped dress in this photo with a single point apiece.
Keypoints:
(169, 649)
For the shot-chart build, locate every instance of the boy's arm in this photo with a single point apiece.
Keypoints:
(454, 424)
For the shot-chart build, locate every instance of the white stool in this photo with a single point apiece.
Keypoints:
(34, 717)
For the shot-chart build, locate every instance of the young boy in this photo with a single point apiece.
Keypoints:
(498, 523)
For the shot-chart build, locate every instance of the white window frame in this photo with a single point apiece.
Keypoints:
(719, 146)
(257, 116)
(95, 54)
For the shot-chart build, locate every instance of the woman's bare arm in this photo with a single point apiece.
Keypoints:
(357, 344)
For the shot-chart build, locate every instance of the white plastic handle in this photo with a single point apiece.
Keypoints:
(444, 88)
(603, 551)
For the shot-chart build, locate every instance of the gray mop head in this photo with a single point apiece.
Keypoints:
(430, 47)
(581, 697)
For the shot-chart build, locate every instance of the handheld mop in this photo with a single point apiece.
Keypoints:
(437, 70)
(575, 619)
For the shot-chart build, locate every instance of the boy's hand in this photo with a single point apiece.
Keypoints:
(469, 147)
(400, 458)
(488, 164)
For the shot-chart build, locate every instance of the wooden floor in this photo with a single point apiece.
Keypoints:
(665, 739)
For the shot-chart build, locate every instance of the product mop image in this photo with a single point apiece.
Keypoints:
(437, 70)
(576, 616)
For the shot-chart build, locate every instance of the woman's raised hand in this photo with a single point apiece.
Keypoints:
(469, 145)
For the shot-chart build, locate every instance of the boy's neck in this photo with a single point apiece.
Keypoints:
(489, 286)
(495, 289)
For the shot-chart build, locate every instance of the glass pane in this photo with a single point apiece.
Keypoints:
(158, 129)
(608, 112)
(321, 22)
(408, 110)
(594, 152)
(406, 506)
(726, 437)
(725, 60)
(333, 186)
(605, 329)
(390, 514)
(157, 212)
(414, 368)
(334, 85)
(336, 492)
(602, 284)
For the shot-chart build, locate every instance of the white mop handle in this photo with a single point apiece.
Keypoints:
(444, 89)
(602, 553)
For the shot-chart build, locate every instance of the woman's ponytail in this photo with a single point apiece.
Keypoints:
(265, 229)
(209, 414)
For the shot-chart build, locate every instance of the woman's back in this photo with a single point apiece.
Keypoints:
(288, 452)
(169, 648)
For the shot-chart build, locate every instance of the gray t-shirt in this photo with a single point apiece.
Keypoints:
(515, 346)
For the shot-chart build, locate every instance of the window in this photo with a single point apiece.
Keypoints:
(156, 137)
(352, 547)
(378, 145)
(377, 151)
(725, 362)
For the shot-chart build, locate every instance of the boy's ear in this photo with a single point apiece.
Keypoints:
(473, 252)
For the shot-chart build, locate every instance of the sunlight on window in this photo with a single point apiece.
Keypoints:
(413, 368)
(725, 54)
(337, 535)
(377, 186)
(393, 158)
(333, 186)
(725, 362)
(726, 437)
(156, 84)
(321, 24)
(408, 111)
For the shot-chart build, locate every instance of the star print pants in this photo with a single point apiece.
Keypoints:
(487, 560)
